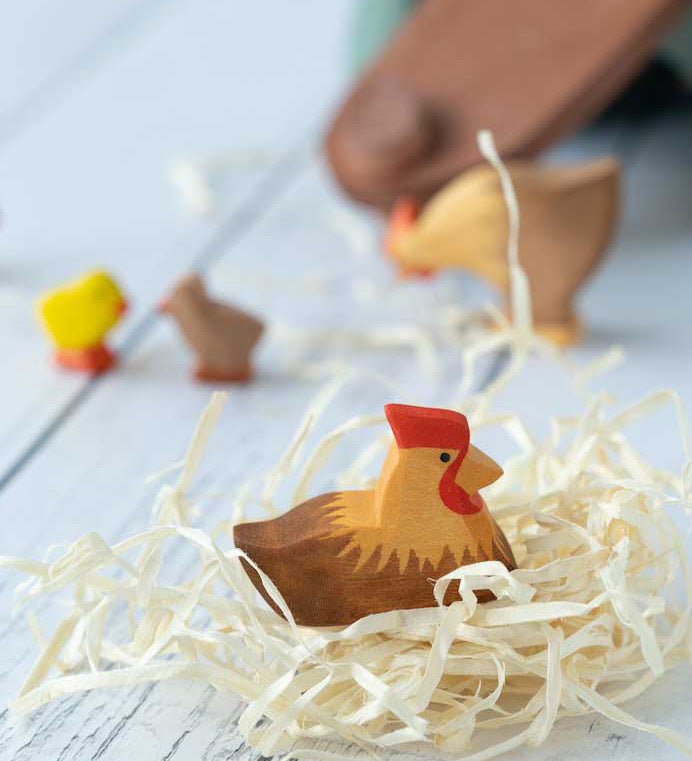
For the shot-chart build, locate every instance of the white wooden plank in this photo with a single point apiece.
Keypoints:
(47, 48)
(88, 187)
(641, 296)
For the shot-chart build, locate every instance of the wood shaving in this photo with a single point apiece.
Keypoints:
(598, 608)
(193, 177)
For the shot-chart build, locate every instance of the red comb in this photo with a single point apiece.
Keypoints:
(427, 427)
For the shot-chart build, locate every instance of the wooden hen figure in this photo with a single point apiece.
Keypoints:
(345, 555)
(221, 336)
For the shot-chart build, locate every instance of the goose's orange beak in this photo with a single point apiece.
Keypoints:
(401, 219)
(477, 470)
(122, 307)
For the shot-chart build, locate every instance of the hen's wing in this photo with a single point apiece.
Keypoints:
(309, 520)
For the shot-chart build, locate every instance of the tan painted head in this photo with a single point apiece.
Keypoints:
(427, 496)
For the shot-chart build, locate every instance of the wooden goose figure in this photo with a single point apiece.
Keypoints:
(568, 214)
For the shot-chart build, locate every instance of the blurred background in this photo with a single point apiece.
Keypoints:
(104, 106)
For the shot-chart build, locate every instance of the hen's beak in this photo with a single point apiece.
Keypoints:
(477, 470)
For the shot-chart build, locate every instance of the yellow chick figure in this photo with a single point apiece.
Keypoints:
(78, 316)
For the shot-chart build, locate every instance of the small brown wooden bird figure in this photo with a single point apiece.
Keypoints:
(345, 555)
(221, 336)
(568, 214)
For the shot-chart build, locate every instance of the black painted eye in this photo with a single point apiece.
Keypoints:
(445, 457)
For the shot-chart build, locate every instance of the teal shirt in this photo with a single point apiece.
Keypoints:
(373, 23)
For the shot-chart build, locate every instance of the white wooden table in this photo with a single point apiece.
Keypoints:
(95, 100)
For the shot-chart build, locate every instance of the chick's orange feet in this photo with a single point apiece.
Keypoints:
(93, 361)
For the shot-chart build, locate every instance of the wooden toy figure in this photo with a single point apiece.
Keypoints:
(568, 215)
(221, 336)
(78, 316)
(529, 71)
(344, 555)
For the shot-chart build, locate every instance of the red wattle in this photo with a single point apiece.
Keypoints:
(454, 497)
